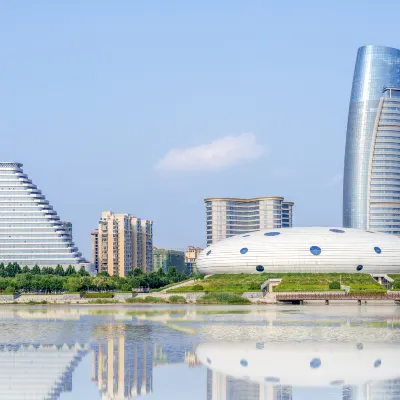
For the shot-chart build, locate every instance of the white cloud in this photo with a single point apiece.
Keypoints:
(218, 154)
(335, 180)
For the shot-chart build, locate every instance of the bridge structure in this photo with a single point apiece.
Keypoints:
(299, 297)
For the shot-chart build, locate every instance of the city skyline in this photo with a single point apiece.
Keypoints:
(106, 110)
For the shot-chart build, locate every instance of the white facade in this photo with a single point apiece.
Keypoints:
(312, 249)
(31, 232)
(227, 217)
(303, 364)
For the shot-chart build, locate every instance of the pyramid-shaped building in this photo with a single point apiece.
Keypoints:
(30, 230)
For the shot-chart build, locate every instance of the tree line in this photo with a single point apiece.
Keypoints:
(13, 279)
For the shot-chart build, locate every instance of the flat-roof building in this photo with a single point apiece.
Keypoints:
(226, 217)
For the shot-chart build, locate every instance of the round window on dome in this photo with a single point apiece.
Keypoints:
(208, 253)
(377, 363)
(272, 233)
(336, 230)
(244, 250)
(260, 268)
(315, 250)
(244, 363)
(315, 363)
(245, 235)
(377, 250)
(359, 267)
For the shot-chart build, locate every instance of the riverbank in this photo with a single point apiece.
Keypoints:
(328, 298)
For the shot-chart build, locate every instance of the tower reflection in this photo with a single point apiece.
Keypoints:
(123, 369)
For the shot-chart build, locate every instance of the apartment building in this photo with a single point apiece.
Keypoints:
(121, 243)
(227, 217)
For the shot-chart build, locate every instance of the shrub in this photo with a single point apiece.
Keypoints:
(254, 286)
(396, 285)
(99, 295)
(197, 288)
(222, 298)
(334, 285)
(147, 299)
(9, 290)
(102, 301)
(177, 299)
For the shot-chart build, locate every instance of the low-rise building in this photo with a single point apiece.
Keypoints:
(191, 255)
(163, 258)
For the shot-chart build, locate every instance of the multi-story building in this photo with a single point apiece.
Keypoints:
(191, 255)
(163, 258)
(121, 243)
(228, 217)
(371, 188)
(95, 249)
(31, 232)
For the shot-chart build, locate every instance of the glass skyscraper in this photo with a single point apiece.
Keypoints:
(371, 186)
(31, 232)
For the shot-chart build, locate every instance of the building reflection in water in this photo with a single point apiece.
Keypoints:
(272, 371)
(123, 369)
(37, 371)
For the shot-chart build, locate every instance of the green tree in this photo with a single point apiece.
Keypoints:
(70, 271)
(2, 270)
(103, 273)
(59, 270)
(161, 272)
(26, 270)
(137, 272)
(182, 276)
(35, 270)
(172, 274)
(74, 284)
(10, 270)
(47, 271)
(83, 272)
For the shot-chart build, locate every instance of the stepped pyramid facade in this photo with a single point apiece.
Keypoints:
(31, 232)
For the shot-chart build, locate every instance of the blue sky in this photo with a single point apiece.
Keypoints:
(97, 97)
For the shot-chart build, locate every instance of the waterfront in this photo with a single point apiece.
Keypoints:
(203, 352)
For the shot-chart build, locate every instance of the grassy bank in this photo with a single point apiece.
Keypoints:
(222, 298)
(358, 283)
(240, 283)
(232, 283)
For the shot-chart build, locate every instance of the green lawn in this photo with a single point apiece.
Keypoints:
(233, 283)
(239, 283)
(320, 282)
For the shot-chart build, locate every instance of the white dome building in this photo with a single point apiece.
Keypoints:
(311, 249)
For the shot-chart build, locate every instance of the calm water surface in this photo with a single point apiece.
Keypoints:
(213, 353)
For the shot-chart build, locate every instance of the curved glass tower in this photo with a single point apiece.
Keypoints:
(30, 230)
(377, 68)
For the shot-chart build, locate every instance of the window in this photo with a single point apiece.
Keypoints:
(272, 233)
(315, 363)
(336, 230)
(377, 250)
(244, 250)
(260, 268)
(359, 267)
(315, 250)
(244, 363)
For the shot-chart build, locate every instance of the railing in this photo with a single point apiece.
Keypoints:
(296, 296)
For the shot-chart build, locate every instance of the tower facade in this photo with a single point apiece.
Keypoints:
(121, 243)
(31, 232)
(226, 217)
(371, 191)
